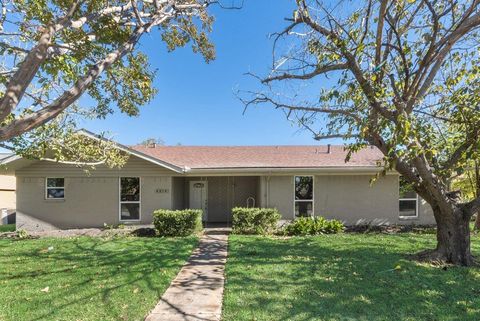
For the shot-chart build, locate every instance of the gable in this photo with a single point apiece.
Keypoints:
(16, 163)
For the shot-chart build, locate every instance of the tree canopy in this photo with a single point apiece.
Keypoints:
(400, 75)
(54, 51)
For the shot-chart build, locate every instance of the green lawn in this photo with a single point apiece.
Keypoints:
(7, 228)
(88, 279)
(345, 277)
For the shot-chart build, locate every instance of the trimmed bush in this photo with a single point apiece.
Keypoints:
(314, 226)
(254, 220)
(177, 223)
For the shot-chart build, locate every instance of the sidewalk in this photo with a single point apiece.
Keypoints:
(197, 291)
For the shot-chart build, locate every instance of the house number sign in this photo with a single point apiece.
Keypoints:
(162, 190)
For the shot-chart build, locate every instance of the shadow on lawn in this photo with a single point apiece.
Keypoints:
(342, 279)
(95, 272)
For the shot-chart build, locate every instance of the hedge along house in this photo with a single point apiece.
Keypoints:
(297, 180)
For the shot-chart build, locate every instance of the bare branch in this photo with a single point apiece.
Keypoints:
(352, 65)
(444, 46)
(259, 99)
(379, 37)
(322, 137)
(318, 71)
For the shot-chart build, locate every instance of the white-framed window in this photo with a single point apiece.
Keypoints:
(54, 188)
(130, 198)
(303, 196)
(408, 202)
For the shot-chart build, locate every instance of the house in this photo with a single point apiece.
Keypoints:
(297, 180)
(7, 196)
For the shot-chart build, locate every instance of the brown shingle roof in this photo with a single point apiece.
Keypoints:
(212, 157)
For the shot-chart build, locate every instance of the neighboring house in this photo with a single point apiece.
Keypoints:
(7, 195)
(297, 180)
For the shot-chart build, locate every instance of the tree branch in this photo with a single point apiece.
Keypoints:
(29, 68)
(352, 65)
(379, 36)
(49, 112)
(459, 151)
(264, 99)
(446, 45)
(24, 75)
(322, 137)
(318, 71)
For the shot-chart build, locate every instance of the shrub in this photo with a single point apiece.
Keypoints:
(22, 234)
(314, 226)
(177, 223)
(254, 220)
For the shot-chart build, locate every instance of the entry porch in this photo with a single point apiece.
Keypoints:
(216, 195)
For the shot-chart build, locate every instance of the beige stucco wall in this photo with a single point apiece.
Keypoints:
(7, 191)
(90, 199)
(7, 199)
(352, 199)
(425, 214)
(349, 198)
(7, 182)
(279, 194)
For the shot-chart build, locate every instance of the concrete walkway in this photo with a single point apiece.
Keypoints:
(197, 291)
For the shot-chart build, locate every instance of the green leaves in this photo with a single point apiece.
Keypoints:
(85, 47)
(186, 31)
(128, 84)
(59, 141)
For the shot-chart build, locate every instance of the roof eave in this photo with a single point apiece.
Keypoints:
(14, 158)
(9, 159)
(10, 164)
(325, 169)
(134, 152)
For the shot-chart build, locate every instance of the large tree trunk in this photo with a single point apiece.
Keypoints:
(453, 238)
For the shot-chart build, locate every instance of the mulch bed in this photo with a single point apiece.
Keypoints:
(391, 229)
(141, 231)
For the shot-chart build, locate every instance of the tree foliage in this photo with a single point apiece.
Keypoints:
(400, 75)
(54, 51)
(152, 141)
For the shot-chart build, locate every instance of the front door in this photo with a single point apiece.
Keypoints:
(199, 197)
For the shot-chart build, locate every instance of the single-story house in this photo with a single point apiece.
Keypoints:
(297, 180)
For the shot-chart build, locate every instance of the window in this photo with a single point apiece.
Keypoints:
(55, 188)
(408, 203)
(129, 198)
(303, 196)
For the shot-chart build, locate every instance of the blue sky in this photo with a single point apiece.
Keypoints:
(196, 104)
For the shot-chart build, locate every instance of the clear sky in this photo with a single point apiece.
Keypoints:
(196, 104)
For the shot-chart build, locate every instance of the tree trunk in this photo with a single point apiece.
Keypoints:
(453, 238)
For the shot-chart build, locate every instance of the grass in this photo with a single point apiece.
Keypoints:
(7, 228)
(345, 277)
(87, 278)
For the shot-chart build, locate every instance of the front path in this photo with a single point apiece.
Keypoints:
(197, 291)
